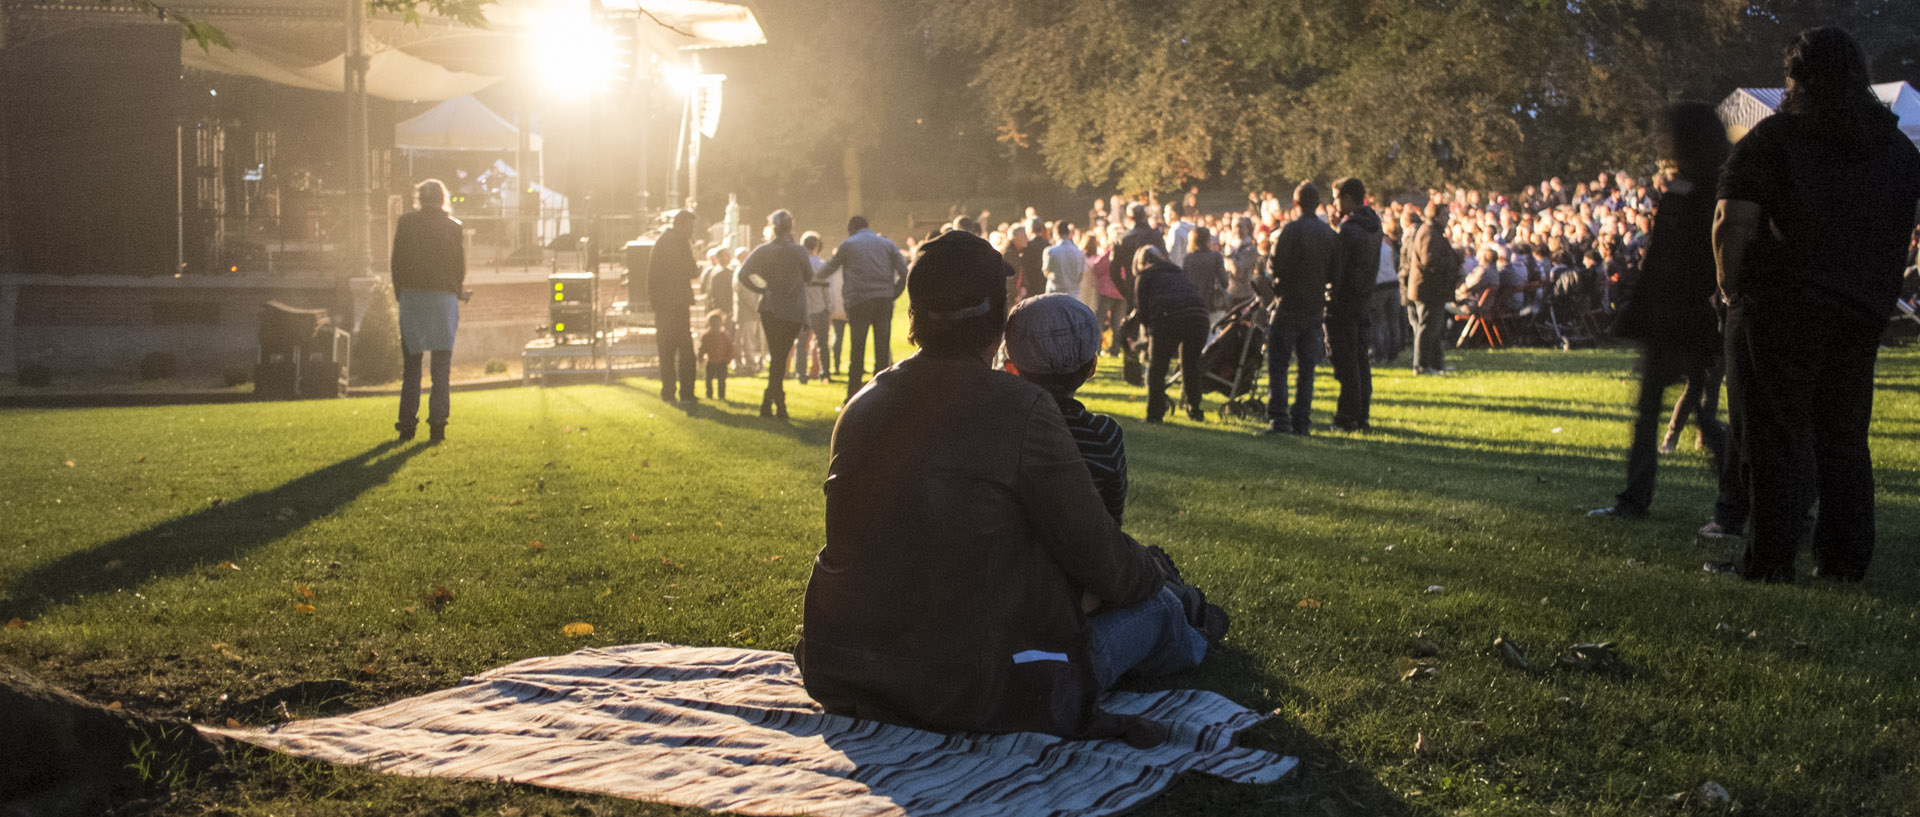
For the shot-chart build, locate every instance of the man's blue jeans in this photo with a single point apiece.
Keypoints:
(1292, 338)
(1152, 638)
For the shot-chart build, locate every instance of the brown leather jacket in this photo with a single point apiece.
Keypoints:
(1433, 267)
(962, 528)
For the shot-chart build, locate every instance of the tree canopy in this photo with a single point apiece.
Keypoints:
(1147, 95)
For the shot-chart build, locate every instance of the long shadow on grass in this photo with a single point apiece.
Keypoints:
(1325, 782)
(196, 541)
(808, 432)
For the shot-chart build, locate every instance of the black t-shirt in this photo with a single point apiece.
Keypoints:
(1843, 210)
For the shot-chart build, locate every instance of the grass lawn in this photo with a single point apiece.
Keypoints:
(187, 561)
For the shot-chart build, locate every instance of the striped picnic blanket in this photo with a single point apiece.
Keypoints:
(733, 730)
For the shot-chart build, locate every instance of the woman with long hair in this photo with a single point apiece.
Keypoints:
(1815, 206)
(778, 271)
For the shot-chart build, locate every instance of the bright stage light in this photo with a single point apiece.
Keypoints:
(572, 55)
(680, 78)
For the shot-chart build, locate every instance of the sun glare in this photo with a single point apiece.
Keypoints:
(571, 55)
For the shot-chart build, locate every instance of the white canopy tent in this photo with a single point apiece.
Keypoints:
(1745, 107)
(461, 123)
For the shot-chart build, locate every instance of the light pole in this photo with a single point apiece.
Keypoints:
(358, 256)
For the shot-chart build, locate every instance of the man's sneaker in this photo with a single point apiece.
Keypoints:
(437, 433)
(1617, 512)
(1713, 530)
(1216, 623)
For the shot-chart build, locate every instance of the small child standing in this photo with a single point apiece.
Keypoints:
(716, 348)
(1053, 341)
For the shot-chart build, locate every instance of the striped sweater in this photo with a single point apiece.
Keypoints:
(1098, 437)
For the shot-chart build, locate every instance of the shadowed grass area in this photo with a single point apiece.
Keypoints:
(696, 525)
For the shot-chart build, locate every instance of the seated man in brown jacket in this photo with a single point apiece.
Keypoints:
(966, 544)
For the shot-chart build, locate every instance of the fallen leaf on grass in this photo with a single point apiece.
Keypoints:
(774, 558)
(141, 458)
(516, 501)
(536, 545)
(115, 705)
(16, 624)
(1476, 727)
(586, 507)
(671, 563)
(646, 463)
(304, 591)
(369, 671)
(439, 598)
(578, 628)
(69, 463)
(1419, 674)
(1419, 744)
(1434, 588)
(1309, 604)
(234, 724)
(304, 608)
(606, 592)
(226, 564)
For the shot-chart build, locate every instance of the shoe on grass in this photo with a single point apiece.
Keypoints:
(1714, 530)
(1617, 512)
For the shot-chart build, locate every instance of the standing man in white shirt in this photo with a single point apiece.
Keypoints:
(1064, 264)
(1179, 232)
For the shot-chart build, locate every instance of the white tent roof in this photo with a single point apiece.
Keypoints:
(460, 123)
(1745, 107)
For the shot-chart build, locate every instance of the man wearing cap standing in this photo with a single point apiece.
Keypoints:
(671, 272)
(966, 544)
(874, 274)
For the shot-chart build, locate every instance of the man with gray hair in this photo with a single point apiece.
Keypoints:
(429, 266)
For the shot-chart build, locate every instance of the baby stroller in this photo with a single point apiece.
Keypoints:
(1230, 362)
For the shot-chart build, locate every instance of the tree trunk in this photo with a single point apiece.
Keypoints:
(850, 171)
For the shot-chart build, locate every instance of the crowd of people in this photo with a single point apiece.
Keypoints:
(975, 574)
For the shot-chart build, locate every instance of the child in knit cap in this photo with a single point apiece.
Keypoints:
(1053, 341)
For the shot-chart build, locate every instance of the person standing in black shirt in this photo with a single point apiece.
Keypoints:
(429, 265)
(1350, 303)
(671, 272)
(1815, 208)
(1670, 309)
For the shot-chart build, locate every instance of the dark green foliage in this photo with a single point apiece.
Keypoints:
(1499, 93)
(376, 345)
(35, 376)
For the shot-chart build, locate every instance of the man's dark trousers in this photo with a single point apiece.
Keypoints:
(1352, 366)
(1803, 369)
(877, 314)
(1293, 337)
(1184, 337)
(1660, 367)
(675, 333)
(1429, 323)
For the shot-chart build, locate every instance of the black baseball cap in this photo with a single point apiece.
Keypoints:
(957, 275)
